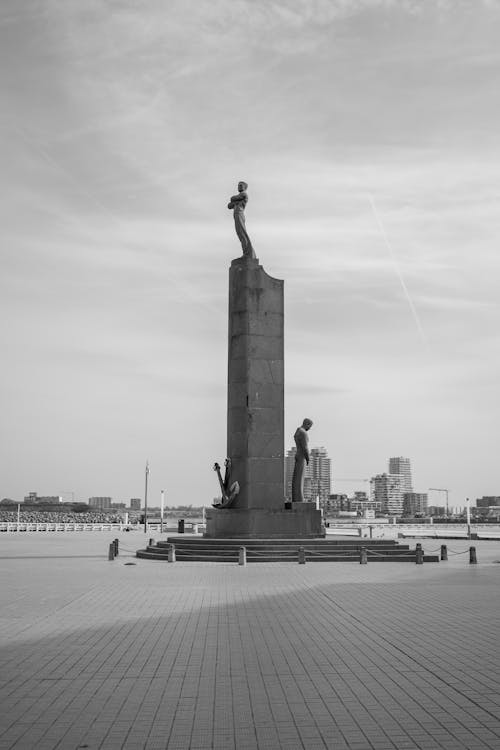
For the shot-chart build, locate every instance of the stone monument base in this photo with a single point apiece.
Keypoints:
(302, 521)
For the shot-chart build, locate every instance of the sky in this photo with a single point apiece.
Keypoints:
(367, 131)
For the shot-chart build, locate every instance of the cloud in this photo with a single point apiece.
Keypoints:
(128, 125)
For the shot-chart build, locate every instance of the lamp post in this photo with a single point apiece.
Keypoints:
(146, 499)
(161, 510)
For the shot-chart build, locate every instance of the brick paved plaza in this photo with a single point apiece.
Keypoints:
(99, 654)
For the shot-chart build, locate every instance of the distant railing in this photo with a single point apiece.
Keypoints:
(48, 526)
(24, 526)
(375, 530)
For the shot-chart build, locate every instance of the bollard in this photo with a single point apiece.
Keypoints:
(111, 553)
(472, 556)
(444, 552)
(363, 556)
(418, 546)
(171, 553)
(302, 556)
(242, 558)
(180, 526)
(151, 542)
(115, 542)
(419, 555)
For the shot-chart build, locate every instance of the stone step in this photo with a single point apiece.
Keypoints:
(246, 542)
(202, 549)
(201, 544)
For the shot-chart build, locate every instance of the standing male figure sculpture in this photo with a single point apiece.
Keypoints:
(301, 460)
(238, 203)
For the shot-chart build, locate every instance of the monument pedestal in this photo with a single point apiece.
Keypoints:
(302, 521)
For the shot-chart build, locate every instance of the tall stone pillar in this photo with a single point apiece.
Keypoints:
(255, 409)
(255, 414)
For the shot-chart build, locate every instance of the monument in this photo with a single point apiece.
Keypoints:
(253, 502)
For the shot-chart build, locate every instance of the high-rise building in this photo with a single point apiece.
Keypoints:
(319, 471)
(436, 510)
(414, 503)
(289, 464)
(135, 503)
(386, 489)
(101, 503)
(400, 465)
(316, 477)
(33, 498)
(487, 501)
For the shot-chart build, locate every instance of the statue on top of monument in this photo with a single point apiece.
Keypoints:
(238, 203)
(301, 460)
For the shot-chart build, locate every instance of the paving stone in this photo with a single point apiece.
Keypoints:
(195, 656)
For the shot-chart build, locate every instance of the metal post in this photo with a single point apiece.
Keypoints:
(242, 557)
(444, 552)
(111, 551)
(171, 553)
(161, 510)
(472, 556)
(302, 556)
(363, 556)
(151, 543)
(419, 554)
(146, 499)
(18, 515)
(468, 517)
(115, 542)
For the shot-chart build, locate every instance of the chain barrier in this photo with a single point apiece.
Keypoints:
(181, 556)
(125, 549)
(380, 554)
(400, 553)
(373, 553)
(188, 552)
(251, 551)
(331, 554)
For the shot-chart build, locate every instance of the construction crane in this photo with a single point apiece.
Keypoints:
(441, 489)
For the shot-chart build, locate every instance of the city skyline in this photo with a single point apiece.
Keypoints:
(367, 132)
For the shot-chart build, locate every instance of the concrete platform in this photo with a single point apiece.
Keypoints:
(130, 655)
(301, 521)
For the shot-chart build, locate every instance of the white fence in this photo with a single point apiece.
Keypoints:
(24, 526)
(432, 531)
(27, 526)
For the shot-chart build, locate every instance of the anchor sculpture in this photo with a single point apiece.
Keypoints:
(229, 491)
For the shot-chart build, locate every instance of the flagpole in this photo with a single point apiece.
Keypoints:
(161, 510)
